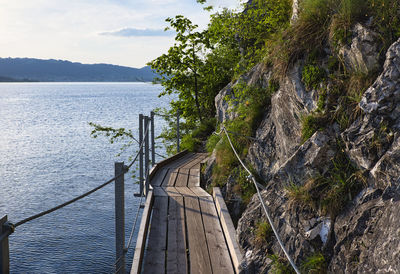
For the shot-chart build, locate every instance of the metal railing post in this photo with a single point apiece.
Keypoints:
(177, 132)
(119, 218)
(146, 153)
(141, 181)
(4, 248)
(153, 147)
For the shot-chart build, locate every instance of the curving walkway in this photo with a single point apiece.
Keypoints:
(185, 233)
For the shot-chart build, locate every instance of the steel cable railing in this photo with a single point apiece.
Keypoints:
(9, 228)
(138, 210)
(262, 203)
(134, 224)
(31, 218)
(65, 204)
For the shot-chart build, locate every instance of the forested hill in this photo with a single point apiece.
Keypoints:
(66, 71)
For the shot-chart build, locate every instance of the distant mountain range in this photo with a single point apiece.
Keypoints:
(30, 69)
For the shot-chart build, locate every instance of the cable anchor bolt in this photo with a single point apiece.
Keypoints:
(8, 226)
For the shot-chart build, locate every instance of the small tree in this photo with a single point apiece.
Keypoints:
(179, 68)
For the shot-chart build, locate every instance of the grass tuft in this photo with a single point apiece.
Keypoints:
(312, 123)
(315, 264)
(312, 76)
(280, 265)
(329, 193)
(263, 232)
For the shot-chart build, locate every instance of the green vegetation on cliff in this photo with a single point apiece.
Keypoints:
(201, 63)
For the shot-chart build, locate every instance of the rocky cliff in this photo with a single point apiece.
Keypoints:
(362, 234)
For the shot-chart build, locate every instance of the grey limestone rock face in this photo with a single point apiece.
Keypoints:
(280, 131)
(363, 53)
(372, 142)
(293, 228)
(386, 172)
(224, 111)
(277, 157)
(311, 159)
(365, 237)
(259, 75)
(295, 11)
(302, 230)
(368, 234)
(206, 178)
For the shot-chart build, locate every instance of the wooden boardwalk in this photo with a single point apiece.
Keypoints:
(185, 233)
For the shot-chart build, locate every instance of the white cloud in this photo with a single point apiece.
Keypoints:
(69, 29)
(134, 32)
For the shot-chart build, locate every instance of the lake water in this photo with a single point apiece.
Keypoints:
(47, 157)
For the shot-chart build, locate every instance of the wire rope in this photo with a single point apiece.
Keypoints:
(263, 204)
(31, 218)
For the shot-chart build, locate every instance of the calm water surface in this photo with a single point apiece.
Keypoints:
(47, 157)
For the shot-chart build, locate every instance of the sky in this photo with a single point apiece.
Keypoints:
(119, 32)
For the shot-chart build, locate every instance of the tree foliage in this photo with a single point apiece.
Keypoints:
(202, 62)
(179, 68)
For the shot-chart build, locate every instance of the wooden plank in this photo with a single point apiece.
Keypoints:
(167, 176)
(185, 191)
(170, 162)
(200, 192)
(172, 191)
(198, 251)
(217, 247)
(228, 228)
(194, 177)
(196, 161)
(202, 157)
(159, 177)
(159, 191)
(205, 158)
(176, 247)
(173, 174)
(182, 177)
(192, 161)
(167, 161)
(142, 235)
(182, 161)
(174, 157)
(154, 261)
(196, 166)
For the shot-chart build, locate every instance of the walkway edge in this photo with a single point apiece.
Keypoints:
(228, 228)
(142, 235)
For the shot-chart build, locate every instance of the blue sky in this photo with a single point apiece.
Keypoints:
(121, 32)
